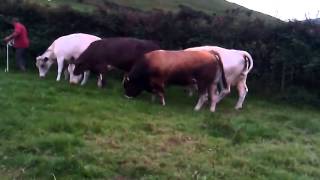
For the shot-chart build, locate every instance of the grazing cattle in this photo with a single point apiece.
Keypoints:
(65, 48)
(160, 68)
(119, 53)
(237, 64)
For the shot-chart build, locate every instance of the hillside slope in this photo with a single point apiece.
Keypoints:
(216, 6)
(209, 6)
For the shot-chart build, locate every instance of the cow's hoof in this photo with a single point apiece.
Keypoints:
(238, 108)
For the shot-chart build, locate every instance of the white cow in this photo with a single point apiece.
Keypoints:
(237, 64)
(63, 49)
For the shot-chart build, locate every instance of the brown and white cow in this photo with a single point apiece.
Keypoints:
(119, 53)
(161, 68)
(237, 64)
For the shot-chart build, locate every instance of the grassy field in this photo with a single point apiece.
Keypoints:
(54, 130)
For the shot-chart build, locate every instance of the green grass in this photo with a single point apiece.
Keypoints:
(50, 129)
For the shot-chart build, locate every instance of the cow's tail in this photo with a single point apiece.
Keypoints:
(248, 61)
(223, 80)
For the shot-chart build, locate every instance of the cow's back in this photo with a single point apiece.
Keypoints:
(171, 60)
(233, 61)
(180, 67)
(71, 46)
(121, 53)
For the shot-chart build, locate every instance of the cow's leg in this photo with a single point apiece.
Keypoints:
(158, 90)
(102, 76)
(202, 90)
(191, 89)
(214, 96)
(202, 99)
(85, 77)
(101, 82)
(153, 98)
(242, 91)
(224, 92)
(60, 67)
(66, 74)
(161, 97)
(125, 76)
(160, 93)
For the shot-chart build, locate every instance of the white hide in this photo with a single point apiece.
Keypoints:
(234, 68)
(63, 49)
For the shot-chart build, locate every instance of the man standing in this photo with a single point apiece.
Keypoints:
(21, 42)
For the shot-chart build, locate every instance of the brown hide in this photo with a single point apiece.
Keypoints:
(160, 68)
(121, 53)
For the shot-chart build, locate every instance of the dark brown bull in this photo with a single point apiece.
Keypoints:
(120, 53)
(185, 68)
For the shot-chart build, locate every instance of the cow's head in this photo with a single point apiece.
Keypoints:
(74, 79)
(43, 63)
(132, 88)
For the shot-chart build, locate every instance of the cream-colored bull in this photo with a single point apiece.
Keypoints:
(237, 64)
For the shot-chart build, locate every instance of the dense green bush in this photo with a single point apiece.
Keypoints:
(285, 54)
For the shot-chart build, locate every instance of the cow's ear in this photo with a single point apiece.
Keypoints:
(38, 58)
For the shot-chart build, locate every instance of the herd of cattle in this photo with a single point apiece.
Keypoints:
(210, 70)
